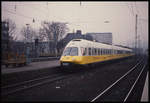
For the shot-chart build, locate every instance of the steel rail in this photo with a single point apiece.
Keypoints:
(25, 82)
(134, 84)
(34, 85)
(115, 82)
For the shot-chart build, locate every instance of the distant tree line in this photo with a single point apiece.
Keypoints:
(50, 31)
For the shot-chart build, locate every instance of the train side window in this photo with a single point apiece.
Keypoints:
(84, 51)
(98, 51)
(101, 51)
(89, 51)
(95, 51)
(92, 51)
(105, 51)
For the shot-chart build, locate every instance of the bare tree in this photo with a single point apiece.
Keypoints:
(42, 34)
(53, 31)
(28, 33)
(12, 30)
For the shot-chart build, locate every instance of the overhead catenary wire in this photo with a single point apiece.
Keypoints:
(21, 15)
(131, 10)
(15, 6)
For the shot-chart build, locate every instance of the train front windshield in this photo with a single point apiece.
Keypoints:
(70, 51)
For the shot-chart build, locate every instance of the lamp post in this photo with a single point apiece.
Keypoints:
(27, 33)
(26, 45)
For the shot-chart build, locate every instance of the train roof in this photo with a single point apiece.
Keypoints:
(88, 43)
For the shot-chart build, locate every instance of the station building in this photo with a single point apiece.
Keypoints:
(105, 37)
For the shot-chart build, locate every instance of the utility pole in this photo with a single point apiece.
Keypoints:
(139, 46)
(136, 35)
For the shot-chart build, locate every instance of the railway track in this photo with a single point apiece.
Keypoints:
(121, 89)
(17, 87)
(27, 84)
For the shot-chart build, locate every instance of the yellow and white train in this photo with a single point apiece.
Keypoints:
(82, 52)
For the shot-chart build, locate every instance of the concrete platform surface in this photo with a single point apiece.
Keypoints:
(31, 66)
(145, 94)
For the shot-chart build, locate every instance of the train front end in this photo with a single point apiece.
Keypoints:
(71, 55)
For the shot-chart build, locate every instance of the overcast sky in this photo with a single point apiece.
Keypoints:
(85, 16)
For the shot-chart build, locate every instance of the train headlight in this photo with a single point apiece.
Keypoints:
(73, 59)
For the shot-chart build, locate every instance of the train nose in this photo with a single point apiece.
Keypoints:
(68, 59)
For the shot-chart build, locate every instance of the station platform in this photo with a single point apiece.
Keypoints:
(31, 66)
(145, 94)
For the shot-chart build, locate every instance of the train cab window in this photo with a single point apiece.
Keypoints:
(72, 51)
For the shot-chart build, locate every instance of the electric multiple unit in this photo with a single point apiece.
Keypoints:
(83, 52)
